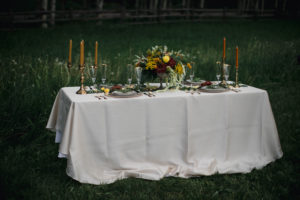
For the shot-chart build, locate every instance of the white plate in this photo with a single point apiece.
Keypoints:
(130, 94)
(213, 90)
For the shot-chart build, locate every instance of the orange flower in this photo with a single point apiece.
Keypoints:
(189, 65)
(157, 60)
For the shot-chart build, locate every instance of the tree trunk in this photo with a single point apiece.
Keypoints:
(239, 6)
(256, 6)
(262, 6)
(99, 5)
(84, 4)
(248, 5)
(53, 10)
(183, 3)
(155, 8)
(137, 3)
(276, 4)
(151, 5)
(202, 4)
(284, 5)
(164, 7)
(243, 6)
(44, 16)
(123, 7)
(188, 6)
(63, 3)
(165, 3)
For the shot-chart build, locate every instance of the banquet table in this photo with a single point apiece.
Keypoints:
(172, 134)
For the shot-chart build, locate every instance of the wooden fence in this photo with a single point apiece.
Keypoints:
(129, 16)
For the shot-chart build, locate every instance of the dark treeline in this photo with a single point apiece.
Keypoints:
(30, 5)
(49, 12)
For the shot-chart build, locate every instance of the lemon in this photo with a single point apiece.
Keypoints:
(166, 59)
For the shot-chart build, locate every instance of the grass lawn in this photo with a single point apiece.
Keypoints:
(33, 69)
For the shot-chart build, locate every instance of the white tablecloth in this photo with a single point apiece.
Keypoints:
(172, 134)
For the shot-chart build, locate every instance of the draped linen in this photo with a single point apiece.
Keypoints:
(172, 134)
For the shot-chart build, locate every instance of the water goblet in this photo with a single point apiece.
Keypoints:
(218, 71)
(138, 71)
(192, 74)
(103, 73)
(93, 73)
(129, 73)
(226, 71)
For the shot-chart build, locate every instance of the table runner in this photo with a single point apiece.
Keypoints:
(172, 134)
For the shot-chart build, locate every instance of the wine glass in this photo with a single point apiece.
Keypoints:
(103, 73)
(192, 73)
(93, 73)
(218, 71)
(226, 71)
(138, 72)
(129, 73)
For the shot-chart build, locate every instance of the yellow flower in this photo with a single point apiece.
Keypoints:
(106, 91)
(179, 69)
(189, 66)
(151, 65)
(166, 59)
(102, 88)
(156, 60)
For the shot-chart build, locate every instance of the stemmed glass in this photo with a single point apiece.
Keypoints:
(218, 71)
(129, 73)
(93, 72)
(192, 73)
(226, 71)
(103, 73)
(138, 72)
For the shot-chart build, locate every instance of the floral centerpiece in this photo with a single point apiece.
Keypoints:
(166, 65)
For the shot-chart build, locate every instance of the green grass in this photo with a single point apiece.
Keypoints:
(33, 68)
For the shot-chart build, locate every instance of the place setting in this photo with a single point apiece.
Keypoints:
(161, 70)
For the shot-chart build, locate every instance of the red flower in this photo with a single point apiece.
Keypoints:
(206, 83)
(116, 87)
(161, 68)
(172, 63)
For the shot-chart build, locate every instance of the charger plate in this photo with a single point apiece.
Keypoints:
(217, 89)
(130, 94)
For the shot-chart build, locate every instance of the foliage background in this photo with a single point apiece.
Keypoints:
(33, 69)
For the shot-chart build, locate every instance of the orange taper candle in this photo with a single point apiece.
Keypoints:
(81, 52)
(70, 52)
(224, 47)
(237, 57)
(96, 53)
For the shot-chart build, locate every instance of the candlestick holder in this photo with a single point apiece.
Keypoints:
(236, 78)
(69, 65)
(81, 90)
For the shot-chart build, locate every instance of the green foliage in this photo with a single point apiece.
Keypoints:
(33, 69)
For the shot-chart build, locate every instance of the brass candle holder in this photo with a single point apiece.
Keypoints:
(236, 78)
(81, 90)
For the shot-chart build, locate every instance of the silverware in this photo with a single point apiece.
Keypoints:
(149, 94)
(98, 97)
(193, 92)
(233, 89)
(101, 97)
